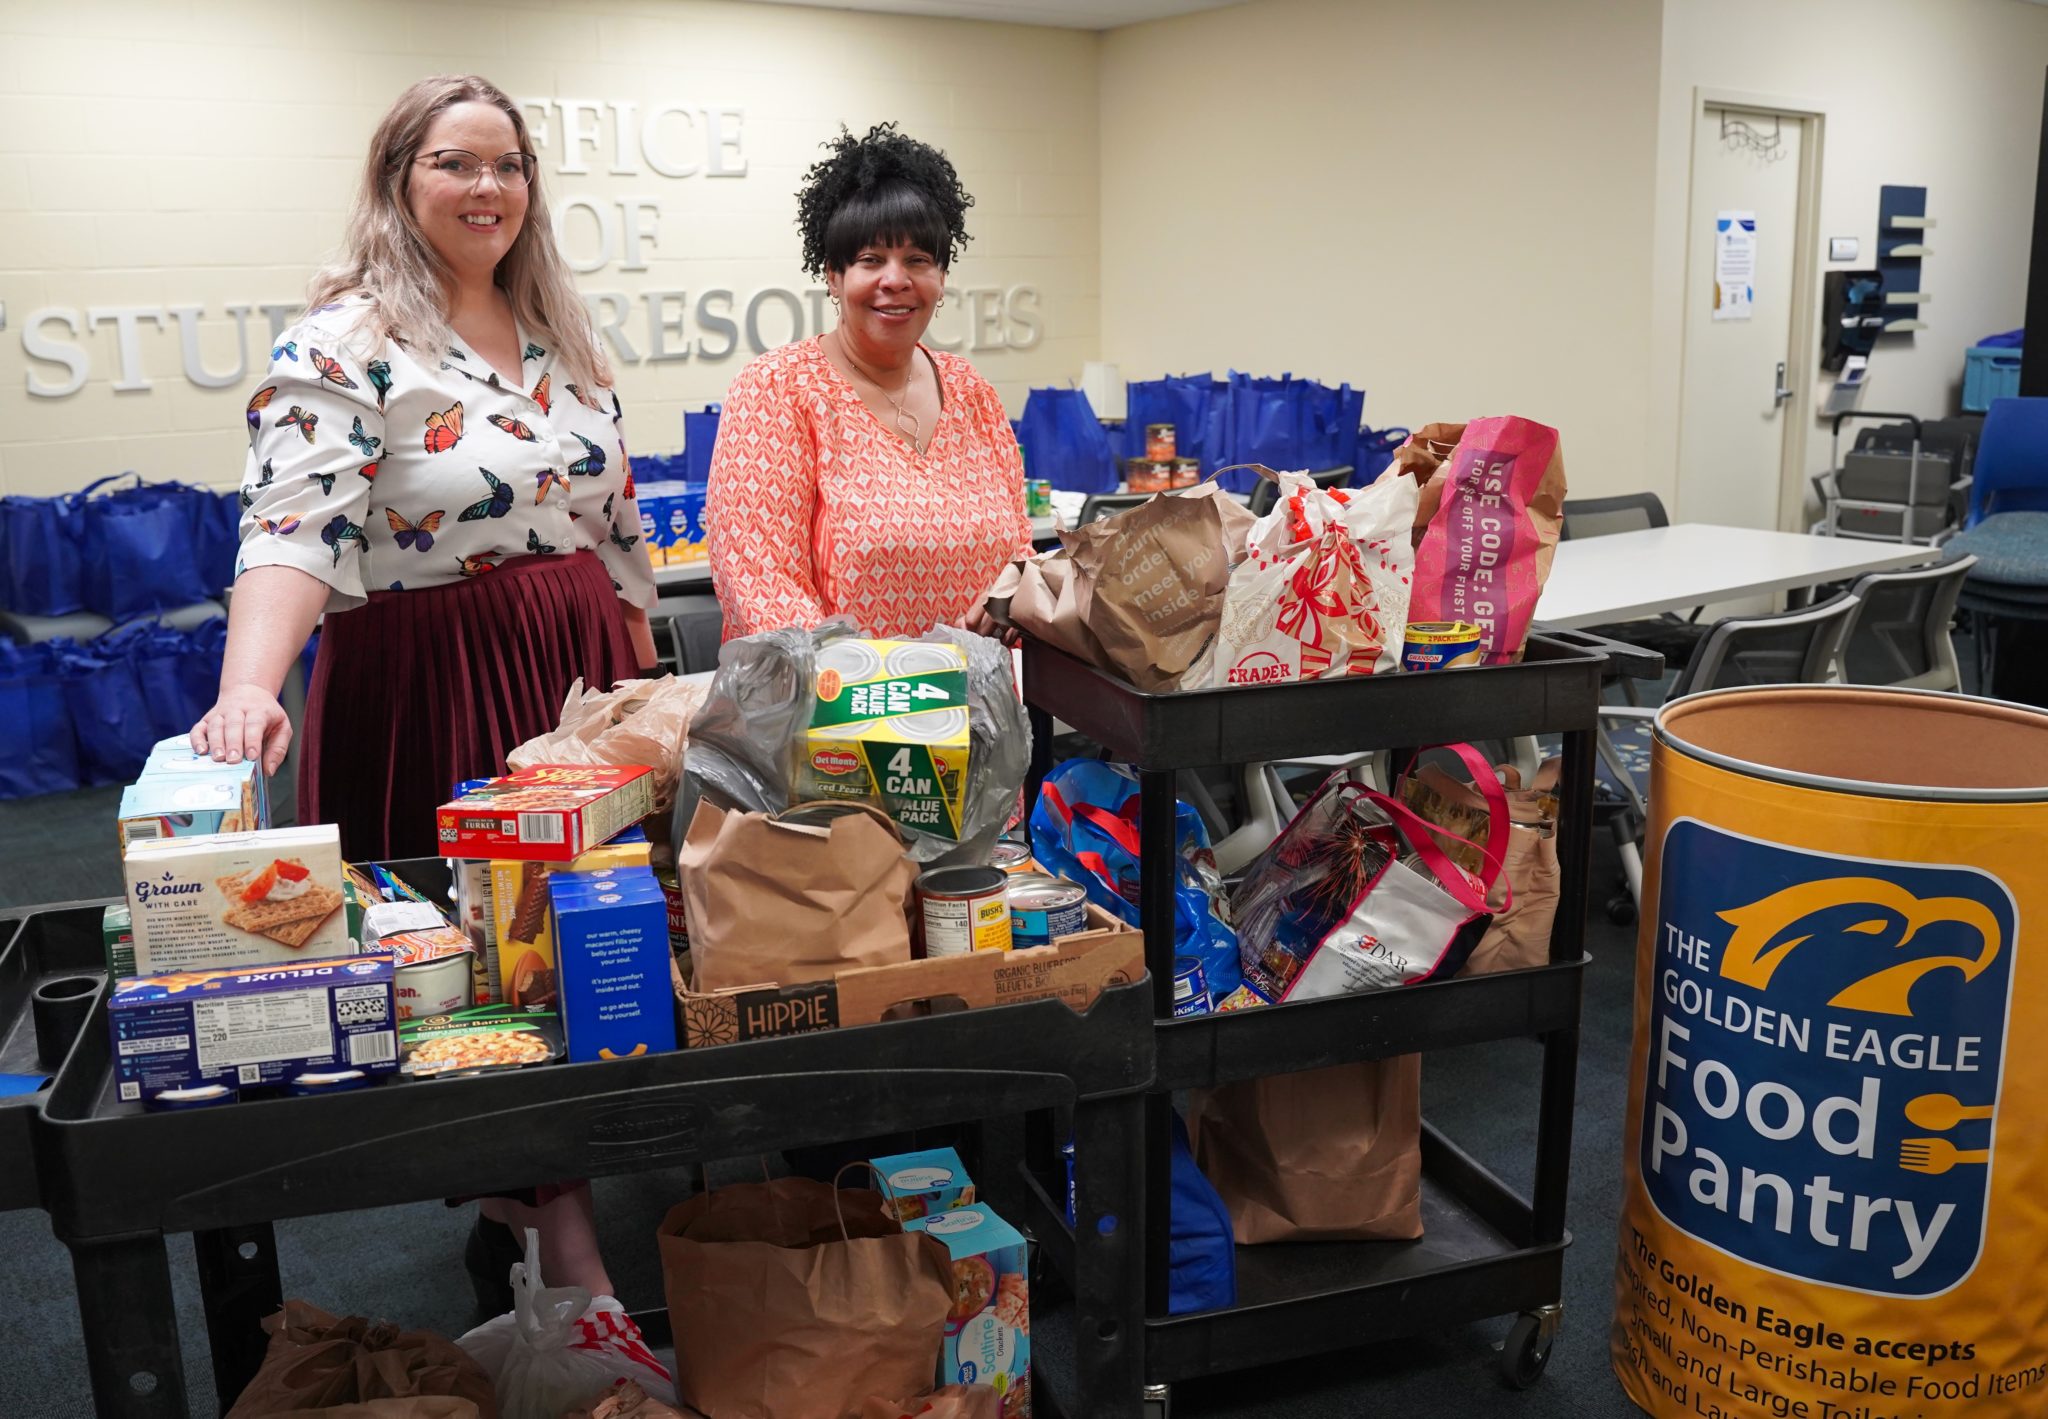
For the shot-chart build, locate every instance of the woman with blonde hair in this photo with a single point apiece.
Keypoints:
(435, 467)
(435, 464)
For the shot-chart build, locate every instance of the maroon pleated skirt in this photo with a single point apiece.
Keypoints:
(419, 690)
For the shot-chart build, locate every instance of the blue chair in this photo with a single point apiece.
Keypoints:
(2011, 471)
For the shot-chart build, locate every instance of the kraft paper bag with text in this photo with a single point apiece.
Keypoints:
(1327, 1155)
(1037, 595)
(792, 1299)
(319, 1361)
(1520, 934)
(773, 902)
(1149, 582)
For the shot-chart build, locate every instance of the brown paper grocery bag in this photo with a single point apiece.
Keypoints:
(792, 1299)
(946, 1402)
(1327, 1155)
(419, 1406)
(1422, 458)
(1039, 594)
(1149, 583)
(781, 903)
(318, 1361)
(1520, 934)
(625, 1401)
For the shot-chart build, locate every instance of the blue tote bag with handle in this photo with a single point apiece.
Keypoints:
(1196, 405)
(1065, 444)
(43, 757)
(700, 437)
(42, 562)
(108, 717)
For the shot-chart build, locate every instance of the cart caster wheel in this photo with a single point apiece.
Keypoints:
(1526, 1352)
(1158, 1402)
(1621, 910)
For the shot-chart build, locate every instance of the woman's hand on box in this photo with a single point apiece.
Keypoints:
(245, 723)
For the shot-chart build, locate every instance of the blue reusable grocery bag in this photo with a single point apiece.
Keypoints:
(1196, 405)
(1065, 444)
(1375, 452)
(173, 697)
(700, 437)
(1201, 1253)
(145, 548)
(199, 666)
(42, 564)
(108, 718)
(1085, 828)
(43, 756)
(1289, 423)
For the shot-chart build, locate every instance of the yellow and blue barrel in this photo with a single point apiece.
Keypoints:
(1835, 1174)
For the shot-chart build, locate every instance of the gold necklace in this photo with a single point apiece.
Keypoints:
(915, 427)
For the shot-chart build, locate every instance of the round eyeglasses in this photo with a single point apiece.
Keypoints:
(510, 169)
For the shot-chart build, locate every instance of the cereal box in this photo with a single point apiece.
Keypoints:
(524, 968)
(920, 1184)
(611, 934)
(548, 813)
(181, 794)
(988, 1331)
(889, 727)
(251, 1027)
(234, 900)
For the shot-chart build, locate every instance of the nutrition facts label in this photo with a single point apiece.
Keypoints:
(253, 1029)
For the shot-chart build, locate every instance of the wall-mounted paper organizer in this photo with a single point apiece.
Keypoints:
(1902, 227)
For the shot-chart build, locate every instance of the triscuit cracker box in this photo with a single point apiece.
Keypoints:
(236, 899)
(988, 1331)
(889, 727)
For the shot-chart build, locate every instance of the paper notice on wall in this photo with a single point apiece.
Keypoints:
(1734, 265)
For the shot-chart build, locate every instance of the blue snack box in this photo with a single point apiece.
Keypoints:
(687, 528)
(252, 1026)
(988, 1331)
(654, 499)
(920, 1184)
(611, 948)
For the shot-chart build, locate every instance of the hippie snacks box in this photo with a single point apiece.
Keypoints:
(548, 813)
(180, 794)
(233, 900)
(251, 1027)
(889, 727)
(611, 934)
(521, 968)
(922, 1184)
(988, 1330)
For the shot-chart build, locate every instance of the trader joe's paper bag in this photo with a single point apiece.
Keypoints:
(792, 1300)
(1486, 552)
(1149, 582)
(772, 902)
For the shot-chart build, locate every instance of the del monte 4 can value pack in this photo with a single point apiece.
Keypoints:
(889, 726)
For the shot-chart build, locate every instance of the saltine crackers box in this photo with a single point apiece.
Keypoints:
(988, 1330)
(229, 900)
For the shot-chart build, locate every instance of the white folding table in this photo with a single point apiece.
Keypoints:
(1625, 575)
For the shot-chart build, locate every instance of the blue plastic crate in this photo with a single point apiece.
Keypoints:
(1989, 372)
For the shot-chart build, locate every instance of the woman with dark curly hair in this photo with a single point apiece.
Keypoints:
(858, 472)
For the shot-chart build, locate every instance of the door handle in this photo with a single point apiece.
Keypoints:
(1780, 392)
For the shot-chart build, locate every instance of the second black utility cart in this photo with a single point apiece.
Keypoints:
(1486, 1250)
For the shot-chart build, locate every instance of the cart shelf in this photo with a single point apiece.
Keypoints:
(38, 947)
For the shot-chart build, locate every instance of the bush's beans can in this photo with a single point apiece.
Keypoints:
(964, 909)
(1012, 856)
(1190, 987)
(1833, 1167)
(1440, 645)
(1043, 909)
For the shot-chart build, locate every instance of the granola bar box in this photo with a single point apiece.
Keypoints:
(548, 813)
(252, 1027)
(988, 1330)
(224, 901)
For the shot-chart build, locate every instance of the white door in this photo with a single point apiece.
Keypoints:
(1732, 444)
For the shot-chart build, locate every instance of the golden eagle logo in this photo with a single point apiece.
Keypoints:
(1767, 931)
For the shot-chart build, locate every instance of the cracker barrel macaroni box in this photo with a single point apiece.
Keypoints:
(988, 1330)
(548, 813)
(611, 935)
(889, 727)
(235, 899)
(252, 1027)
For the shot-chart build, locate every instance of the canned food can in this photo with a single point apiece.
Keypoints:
(964, 909)
(1440, 645)
(678, 919)
(1161, 442)
(855, 660)
(1043, 909)
(1038, 497)
(1146, 475)
(1190, 987)
(1187, 472)
(1012, 856)
(923, 657)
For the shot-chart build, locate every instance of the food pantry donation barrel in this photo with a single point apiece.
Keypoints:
(1835, 1176)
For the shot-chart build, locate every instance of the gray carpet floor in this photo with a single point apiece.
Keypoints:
(404, 1263)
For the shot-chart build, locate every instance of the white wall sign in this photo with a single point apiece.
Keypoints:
(597, 234)
(1734, 265)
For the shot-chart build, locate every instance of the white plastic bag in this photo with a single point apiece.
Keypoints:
(1322, 591)
(558, 1346)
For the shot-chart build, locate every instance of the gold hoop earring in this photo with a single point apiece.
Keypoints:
(937, 304)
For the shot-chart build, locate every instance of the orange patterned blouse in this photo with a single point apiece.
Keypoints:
(817, 508)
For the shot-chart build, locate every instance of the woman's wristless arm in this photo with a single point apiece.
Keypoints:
(271, 614)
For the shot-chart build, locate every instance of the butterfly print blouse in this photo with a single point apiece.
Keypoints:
(377, 467)
(818, 509)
